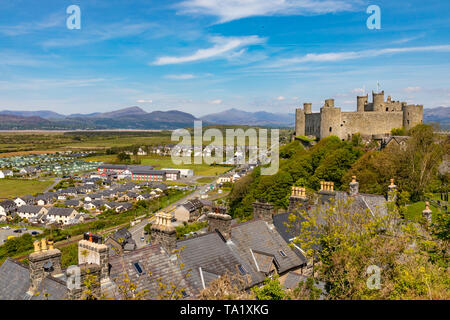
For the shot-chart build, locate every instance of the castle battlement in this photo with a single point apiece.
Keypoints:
(378, 117)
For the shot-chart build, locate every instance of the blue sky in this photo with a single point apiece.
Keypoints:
(204, 56)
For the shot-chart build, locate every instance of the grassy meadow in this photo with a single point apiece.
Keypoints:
(20, 187)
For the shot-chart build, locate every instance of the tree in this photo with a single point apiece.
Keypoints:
(123, 157)
(351, 241)
(272, 290)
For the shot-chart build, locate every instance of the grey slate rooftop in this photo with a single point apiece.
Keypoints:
(15, 282)
(215, 257)
(153, 263)
(260, 238)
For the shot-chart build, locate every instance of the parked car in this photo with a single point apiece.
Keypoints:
(6, 227)
(142, 239)
(34, 233)
(18, 231)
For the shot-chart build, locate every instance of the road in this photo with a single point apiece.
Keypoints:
(4, 234)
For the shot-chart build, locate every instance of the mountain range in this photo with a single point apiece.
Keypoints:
(136, 118)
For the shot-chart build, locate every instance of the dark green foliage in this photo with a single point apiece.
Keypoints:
(329, 160)
(272, 290)
(15, 245)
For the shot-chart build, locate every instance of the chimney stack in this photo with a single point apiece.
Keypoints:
(44, 261)
(93, 267)
(427, 213)
(264, 211)
(220, 222)
(354, 187)
(298, 198)
(164, 233)
(392, 191)
(326, 187)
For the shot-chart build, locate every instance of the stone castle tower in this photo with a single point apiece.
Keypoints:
(374, 118)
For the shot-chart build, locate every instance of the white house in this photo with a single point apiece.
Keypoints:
(2, 175)
(61, 215)
(30, 212)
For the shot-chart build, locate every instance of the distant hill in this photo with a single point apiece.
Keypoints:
(260, 118)
(439, 114)
(42, 114)
(128, 118)
(13, 122)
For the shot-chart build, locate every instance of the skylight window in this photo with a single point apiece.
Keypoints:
(138, 267)
(282, 253)
(242, 269)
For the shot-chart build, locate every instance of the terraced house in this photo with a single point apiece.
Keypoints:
(61, 215)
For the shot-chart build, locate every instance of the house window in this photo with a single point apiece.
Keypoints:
(242, 269)
(184, 294)
(138, 267)
(330, 129)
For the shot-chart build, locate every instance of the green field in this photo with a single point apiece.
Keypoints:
(11, 188)
(205, 179)
(414, 211)
(22, 142)
(166, 162)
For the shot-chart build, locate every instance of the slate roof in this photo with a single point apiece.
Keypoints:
(288, 233)
(15, 282)
(155, 263)
(55, 211)
(29, 209)
(73, 203)
(361, 202)
(8, 203)
(257, 236)
(215, 257)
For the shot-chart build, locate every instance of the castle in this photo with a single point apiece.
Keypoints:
(372, 119)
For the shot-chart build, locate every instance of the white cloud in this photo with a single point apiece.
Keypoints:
(413, 89)
(228, 10)
(101, 33)
(281, 98)
(144, 101)
(359, 90)
(351, 55)
(218, 101)
(53, 20)
(186, 76)
(222, 45)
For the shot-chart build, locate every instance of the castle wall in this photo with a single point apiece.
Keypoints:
(299, 122)
(330, 120)
(312, 124)
(369, 123)
(376, 118)
(412, 116)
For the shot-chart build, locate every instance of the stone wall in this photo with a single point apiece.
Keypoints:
(376, 118)
(94, 253)
(221, 223)
(263, 211)
(369, 123)
(39, 261)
